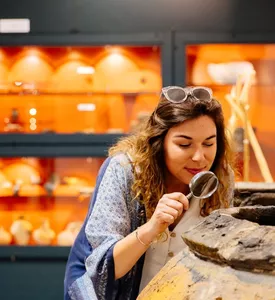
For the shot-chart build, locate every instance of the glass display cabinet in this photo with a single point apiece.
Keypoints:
(217, 65)
(61, 109)
(104, 89)
(43, 201)
(74, 96)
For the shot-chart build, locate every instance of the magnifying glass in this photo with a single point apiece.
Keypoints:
(203, 185)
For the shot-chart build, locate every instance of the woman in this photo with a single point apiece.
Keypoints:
(139, 207)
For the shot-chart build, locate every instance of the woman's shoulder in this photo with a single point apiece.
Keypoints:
(121, 161)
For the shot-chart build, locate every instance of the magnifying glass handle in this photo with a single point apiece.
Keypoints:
(189, 196)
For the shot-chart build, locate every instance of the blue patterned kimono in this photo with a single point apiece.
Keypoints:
(112, 215)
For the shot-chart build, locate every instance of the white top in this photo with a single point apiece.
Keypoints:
(159, 253)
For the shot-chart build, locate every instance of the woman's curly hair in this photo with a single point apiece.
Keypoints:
(146, 150)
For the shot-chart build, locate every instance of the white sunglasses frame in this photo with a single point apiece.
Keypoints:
(189, 91)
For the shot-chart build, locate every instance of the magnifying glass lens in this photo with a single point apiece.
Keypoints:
(203, 185)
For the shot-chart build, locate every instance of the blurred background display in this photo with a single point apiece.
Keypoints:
(44, 201)
(104, 89)
(218, 67)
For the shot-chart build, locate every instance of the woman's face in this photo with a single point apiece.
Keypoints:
(189, 148)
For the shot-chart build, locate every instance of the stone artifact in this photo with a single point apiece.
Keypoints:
(254, 193)
(231, 256)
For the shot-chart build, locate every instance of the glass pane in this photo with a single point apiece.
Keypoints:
(77, 89)
(218, 66)
(44, 201)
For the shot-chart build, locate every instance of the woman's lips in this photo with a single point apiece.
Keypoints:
(194, 171)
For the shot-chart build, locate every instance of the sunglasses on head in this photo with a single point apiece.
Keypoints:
(177, 94)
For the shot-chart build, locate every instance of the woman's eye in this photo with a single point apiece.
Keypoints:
(208, 145)
(185, 145)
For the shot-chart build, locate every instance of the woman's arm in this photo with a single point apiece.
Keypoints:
(115, 249)
(109, 222)
(128, 250)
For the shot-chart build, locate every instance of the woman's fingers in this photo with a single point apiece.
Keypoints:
(163, 208)
(169, 208)
(167, 218)
(171, 203)
(178, 197)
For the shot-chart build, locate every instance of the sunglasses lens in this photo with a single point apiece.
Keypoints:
(202, 94)
(176, 95)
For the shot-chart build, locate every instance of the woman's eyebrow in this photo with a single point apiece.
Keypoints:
(211, 137)
(190, 138)
(183, 136)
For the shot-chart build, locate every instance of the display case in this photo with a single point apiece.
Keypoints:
(64, 102)
(70, 89)
(217, 65)
(43, 201)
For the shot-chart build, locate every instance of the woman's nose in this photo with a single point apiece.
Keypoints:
(198, 155)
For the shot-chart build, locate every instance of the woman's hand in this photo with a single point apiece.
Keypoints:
(168, 209)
